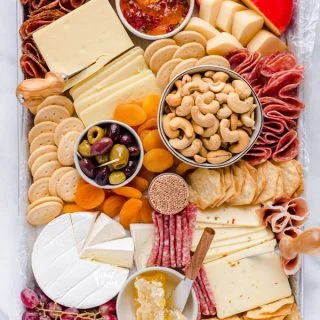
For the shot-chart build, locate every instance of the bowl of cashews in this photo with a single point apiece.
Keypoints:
(209, 117)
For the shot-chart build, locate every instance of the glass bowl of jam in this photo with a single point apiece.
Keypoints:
(155, 19)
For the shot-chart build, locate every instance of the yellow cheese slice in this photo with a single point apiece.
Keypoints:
(222, 44)
(243, 285)
(135, 92)
(209, 10)
(230, 216)
(246, 24)
(203, 27)
(78, 39)
(225, 17)
(266, 43)
(81, 88)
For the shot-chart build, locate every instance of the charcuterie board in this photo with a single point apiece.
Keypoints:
(143, 202)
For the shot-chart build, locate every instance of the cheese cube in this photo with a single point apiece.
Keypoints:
(266, 43)
(225, 17)
(203, 27)
(78, 39)
(222, 44)
(209, 10)
(246, 24)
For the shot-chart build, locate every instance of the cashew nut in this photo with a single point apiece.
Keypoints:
(185, 108)
(186, 78)
(220, 76)
(183, 124)
(219, 156)
(203, 152)
(221, 97)
(211, 130)
(247, 130)
(236, 105)
(213, 143)
(242, 143)
(196, 84)
(228, 88)
(167, 128)
(206, 121)
(226, 134)
(234, 122)
(242, 89)
(247, 120)
(204, 107)
(174, 99)
(224, 112)
(209, 74)
(197, 129)
(208, 80)
(199, 159)
(192, 150)
(216, 86)
(183, 143)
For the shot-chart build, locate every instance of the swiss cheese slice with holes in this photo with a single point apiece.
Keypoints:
(203, 27)
(223, 44)
(209, 10)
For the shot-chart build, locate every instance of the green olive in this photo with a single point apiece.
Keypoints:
(117, 177)
(121, 152)
(102, 159)
(95, 134)
(84, 148)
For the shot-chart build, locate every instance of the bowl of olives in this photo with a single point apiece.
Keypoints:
(108, 154)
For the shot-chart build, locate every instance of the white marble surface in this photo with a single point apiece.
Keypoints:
(9, 266)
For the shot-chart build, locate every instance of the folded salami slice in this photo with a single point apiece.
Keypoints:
(248, 65)
(236, 57)
(34, 9)
(156, 244)
(70, 5)
(288, 147)
(286, 112)
(31, 67)
(258, 155)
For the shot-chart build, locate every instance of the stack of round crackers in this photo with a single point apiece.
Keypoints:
(52, 141)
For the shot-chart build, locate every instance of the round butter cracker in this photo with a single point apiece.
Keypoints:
(42, 127)
(66, 148)
(190, 50)
(57, 101)
(67, 186)
(44, 200)
(155, 46)
(165, 71)
(46, 170)
(184, 37)
(55, 178)
(161, 56)
(42, 139)
(47, 157)
(65, 126)
(39, 189)
(51, 113)
(39, 152)
(182, 66)
(214, 60)
(44, 213)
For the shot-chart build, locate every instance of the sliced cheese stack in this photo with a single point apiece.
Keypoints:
(125, 80)
(81, 260)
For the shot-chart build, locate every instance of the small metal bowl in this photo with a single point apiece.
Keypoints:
(105, 123)
(258, 118)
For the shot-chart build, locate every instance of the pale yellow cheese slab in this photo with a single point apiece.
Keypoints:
(243, 285)
(223, 44)
(79, 38)
(81, 88)
(135, 93)
(209, 10)
(203, 27)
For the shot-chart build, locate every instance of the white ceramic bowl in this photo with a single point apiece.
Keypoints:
(104, 123)
(125, 302)
(258, 118)
(161, 36)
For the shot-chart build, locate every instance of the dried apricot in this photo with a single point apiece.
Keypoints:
(150, 124)
(112, 206)
(158, 160)
(182, 168)
(151, 105)
(140, 183)
(128, 192)
(81, 182)
(146, 174)
(71, 208)
(89, 197)
(131, 114)
(146, 211)
(130, 212)
(143, 134)
(152, 140)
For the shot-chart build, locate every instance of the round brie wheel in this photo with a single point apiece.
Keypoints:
(61, 272)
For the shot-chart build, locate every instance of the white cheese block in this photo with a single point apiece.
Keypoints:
(266, 43)
(225, 17)
(203, 27)
(242, 285)
(246, 24)
(67, 279)
(116, 252)
(105, 229)
(143, 235)
(223, 44)
(230, 216)
(81, 89)
(79, 38)
(133, 93)
(95, 96)
(209, 10)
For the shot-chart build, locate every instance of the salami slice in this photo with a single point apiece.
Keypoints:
(185, 242)
(288, 147)
(166, 242)
(236, 57)
(204, 279)
(178, 240)
(248, 65)
(172, 235)
(70, 5)
(161, 236)
(31, 67)
(204, 309)
(156, 244)
(51, 5)
(29, 48)
(279, 62)
(258, 155)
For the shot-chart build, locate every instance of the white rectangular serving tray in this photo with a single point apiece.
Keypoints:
(301, 44)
